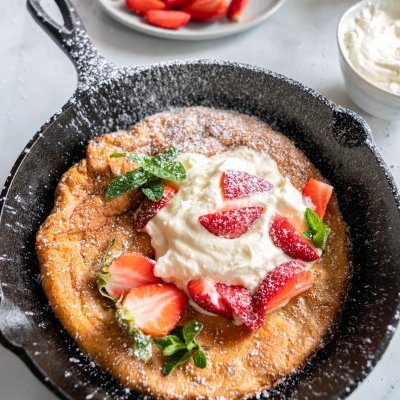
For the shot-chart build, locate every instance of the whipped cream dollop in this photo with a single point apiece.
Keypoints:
(371, 43)
(185, 250)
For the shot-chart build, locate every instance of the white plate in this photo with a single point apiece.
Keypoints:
(255, 13)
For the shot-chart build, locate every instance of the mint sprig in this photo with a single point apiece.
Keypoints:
(149, 175)
(180, 346)
(317, 231)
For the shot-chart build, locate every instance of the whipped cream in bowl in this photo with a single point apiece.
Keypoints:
(185, 250)
(368, 38)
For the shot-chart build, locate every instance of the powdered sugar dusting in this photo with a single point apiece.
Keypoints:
(332, 136)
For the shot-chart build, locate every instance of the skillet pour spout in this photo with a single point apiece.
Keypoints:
(336, 140)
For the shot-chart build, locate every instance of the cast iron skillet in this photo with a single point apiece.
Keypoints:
(108, 98)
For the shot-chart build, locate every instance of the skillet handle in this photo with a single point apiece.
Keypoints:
(74, 41)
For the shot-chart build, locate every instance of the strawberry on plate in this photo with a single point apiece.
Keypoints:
(127, 271)
(169, 19)
(156, 308)
(283, 283)
(284, 235)
(231, 224)
(142, 6)
(236, 9)
(238, 184)
(240, 302)
(319, 194)
(206, 10)
(177, 3)
(148, 208)
(204, 293)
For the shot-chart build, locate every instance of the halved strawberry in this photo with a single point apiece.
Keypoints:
(177, 3)
(284, 235)
(231, 224)
(204, 293)
(240, 302)
(319, 193)
(237, 184)
(283, 283)
(142, 6)
(236, 9)
(148, 208)
(206, 10)
(155, 309)
(129, 270)
(168, 19)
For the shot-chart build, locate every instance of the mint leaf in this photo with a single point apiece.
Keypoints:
(191, 330)
(166, 341)
(126, 182)
(170, 171)
(313, 222)
(178, 347)
(174, 348)
(167, 156)
(178, 331)
(307, 235)
(321, 237)
(317, 231)
(153, 190)
(200, 359)
(152, 169)
(174, 361)
(136, 158)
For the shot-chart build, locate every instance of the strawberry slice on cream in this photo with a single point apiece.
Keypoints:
(290, 241)
(206, 296)
(319, 193)
(231, 224)
(282, 284)
(238, 184)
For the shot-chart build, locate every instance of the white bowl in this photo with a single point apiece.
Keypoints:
(257, 12)
(371, 98)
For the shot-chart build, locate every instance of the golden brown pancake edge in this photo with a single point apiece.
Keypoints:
(72, 239)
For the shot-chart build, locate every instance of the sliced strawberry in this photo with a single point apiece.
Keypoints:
(236, 9)
(319, 193)
(284, 235)
(237, 184)
(206, 10)
(283, 283)
(168, 19)
(240, 302)
(232, 223)
(148, 208)
(156, 309)
(204, 293)
(142, 6)
(128, 271)
(177, 3)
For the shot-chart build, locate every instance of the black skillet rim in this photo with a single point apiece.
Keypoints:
(20, 351)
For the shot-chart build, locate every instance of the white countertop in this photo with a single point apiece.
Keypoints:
(36, 79)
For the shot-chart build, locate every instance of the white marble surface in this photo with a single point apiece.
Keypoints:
(36, 79)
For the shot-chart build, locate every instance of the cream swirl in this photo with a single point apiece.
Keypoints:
(185, 250)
